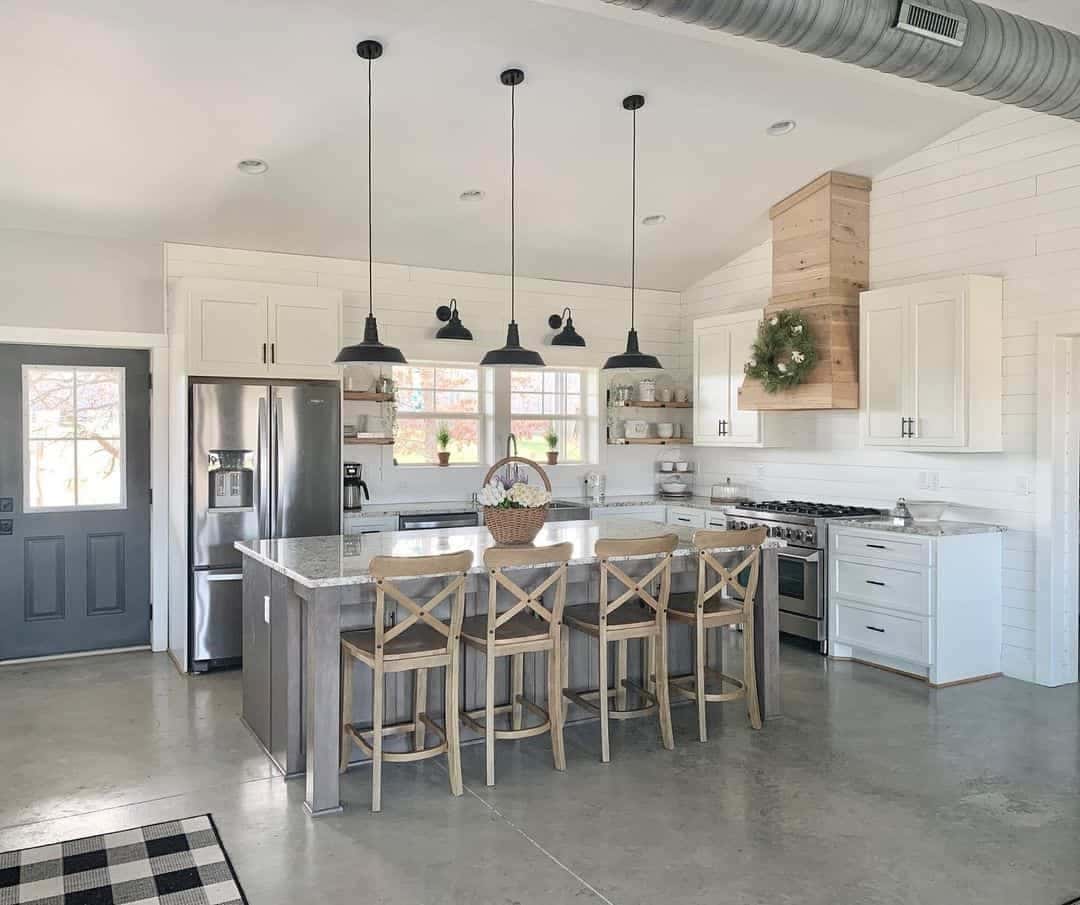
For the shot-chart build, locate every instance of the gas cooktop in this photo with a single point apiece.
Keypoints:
(813, 510)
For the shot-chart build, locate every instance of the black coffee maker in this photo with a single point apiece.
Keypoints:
(353, 487)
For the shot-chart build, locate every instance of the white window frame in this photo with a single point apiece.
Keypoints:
(482, 417)
(27, 439)
(589, 419)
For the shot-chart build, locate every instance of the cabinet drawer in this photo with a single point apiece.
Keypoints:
(880, 545)
(882, 585)
(716, 520)
(691, 518)
(884, 633)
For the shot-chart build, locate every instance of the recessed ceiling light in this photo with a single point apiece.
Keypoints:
(783, 127)
(653, 220)
(471, 195)
(253, 166)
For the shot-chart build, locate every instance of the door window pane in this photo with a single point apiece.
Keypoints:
(73, 437)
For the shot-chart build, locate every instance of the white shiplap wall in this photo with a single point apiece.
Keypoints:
(1000, 196)
(406, 298)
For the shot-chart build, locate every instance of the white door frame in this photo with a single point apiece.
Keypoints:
(1057, 487)
(158, 346)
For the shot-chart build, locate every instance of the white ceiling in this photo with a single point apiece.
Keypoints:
(128, 119)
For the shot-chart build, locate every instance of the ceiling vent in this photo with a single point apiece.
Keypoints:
(936, 24)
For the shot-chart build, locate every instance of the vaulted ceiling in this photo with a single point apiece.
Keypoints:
(128, 120)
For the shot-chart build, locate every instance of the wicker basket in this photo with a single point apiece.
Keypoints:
(514, 527)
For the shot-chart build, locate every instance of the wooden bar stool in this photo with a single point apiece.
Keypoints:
(708, 607)
(527, 626)
(418, 643)
(614, 620)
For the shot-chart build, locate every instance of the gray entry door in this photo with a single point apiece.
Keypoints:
(74, 500)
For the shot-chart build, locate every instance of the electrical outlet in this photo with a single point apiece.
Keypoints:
(7, 526)
(924, 480)
(266, 609)
(933, 480)
(1023, 485)
(7, 504)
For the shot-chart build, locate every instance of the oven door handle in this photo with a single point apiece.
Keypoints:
(813, 556)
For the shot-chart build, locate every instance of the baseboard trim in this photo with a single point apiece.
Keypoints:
(916, 676)
(22, 661)
(989, 675)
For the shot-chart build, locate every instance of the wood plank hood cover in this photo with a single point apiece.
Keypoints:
(821, 262)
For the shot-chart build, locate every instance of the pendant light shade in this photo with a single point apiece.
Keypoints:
(370, 350)
(568, 336)
(633, 358)
(512, 354)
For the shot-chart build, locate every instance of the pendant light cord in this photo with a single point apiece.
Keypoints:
(513, 211)
(371, 259)
(633, 223)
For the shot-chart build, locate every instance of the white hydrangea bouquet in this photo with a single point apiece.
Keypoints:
(514, 514)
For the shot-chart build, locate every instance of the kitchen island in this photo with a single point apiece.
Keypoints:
(301, 593)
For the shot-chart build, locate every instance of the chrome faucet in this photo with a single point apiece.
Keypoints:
(511, 440)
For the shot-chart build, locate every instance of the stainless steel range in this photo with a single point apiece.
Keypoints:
(803, 563)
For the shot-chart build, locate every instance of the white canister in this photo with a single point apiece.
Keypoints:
(682, 467)
(682, 394)
(665, 430)
(636, 430)
(665, 394)
(668, 466)
(647, 390)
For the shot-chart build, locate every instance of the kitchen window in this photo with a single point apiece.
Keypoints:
(428, 396)
(555, 399)
(74, 438)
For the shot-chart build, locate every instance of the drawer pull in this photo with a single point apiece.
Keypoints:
(874, 628)
(880, 584)
(877, 547)
(679, 518)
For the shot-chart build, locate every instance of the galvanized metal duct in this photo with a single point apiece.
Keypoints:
(1004, 57)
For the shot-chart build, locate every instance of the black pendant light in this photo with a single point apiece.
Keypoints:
(512, 353)
(568, 336)
(454, 328)
(370, 350)
(633, 358)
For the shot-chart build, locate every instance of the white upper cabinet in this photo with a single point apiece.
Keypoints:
(240, 329)
(722, 346)
(930, 362)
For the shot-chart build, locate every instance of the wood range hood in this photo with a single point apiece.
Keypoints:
(821, 262)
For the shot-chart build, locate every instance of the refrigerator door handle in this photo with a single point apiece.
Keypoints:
(262, 464)
(275, 433)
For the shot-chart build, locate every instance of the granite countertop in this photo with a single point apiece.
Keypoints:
(341, 560)
(382, 510)
(920, 529)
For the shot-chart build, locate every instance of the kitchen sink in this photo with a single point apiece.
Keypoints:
(567, 511)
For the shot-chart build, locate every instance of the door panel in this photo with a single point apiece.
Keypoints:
(75, 579)
(743, 427)
(305, 328)
(228, 330)
(306, 449)
(216, 615)
(937, 338)
(712, 396)
(884, 372)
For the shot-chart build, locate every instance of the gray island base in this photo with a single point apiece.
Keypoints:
(300, 594)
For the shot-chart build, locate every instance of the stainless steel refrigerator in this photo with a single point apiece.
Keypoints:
(264, 462)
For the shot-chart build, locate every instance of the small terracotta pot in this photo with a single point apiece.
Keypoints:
(553, 457)
(444, 459)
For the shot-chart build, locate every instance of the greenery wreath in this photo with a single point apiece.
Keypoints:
(783, 352)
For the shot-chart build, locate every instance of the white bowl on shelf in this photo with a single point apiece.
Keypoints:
(665, 430)
(675, 487)
(667, 466)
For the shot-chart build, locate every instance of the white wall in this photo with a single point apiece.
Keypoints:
(406, 298)
(80, 282)
(1000, 196)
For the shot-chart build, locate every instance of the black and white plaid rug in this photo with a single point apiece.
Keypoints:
(181, 862)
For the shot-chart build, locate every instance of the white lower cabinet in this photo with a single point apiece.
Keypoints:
(360, 524)
(685, 516)
(930, 606)
(645, 513)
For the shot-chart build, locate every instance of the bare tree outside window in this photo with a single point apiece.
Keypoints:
(74, 437)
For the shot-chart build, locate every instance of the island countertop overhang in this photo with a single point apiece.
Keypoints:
(343, 560)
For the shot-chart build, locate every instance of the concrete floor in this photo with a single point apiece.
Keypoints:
(874, 789)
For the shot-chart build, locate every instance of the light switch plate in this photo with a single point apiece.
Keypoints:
(266, 609)
(7, 526)
(7, 504)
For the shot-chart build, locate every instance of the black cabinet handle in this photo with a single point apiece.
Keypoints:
(877, 547)
(721, 427)
(273, 353)
(880, 584)
(264, 353)
(874, 628)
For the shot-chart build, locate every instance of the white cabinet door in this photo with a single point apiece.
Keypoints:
(712, 383)
(885, 373)
(936, 338)
(305, 332)
(227, 329)
(743, 428)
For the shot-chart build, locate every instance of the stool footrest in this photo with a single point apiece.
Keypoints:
(582, 699)
(471, 718)
(400, 757)
(686, 686)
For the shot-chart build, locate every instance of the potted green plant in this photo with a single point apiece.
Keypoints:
(443, 439)
(552, 440)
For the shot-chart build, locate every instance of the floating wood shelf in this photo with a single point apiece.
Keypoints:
(365, 396)
(633, 404)
(369, 441)
(652, 441)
